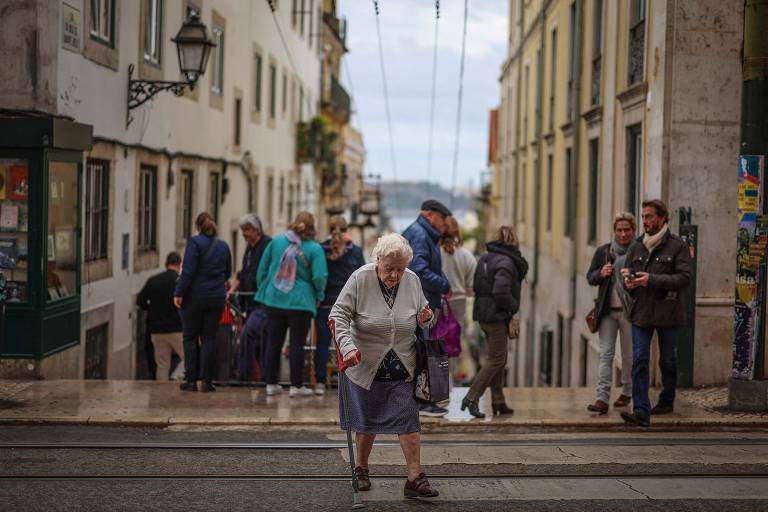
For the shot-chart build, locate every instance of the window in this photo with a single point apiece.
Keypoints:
(552, 81)
(525, 105)
(217, 67)
(103, 21)
(285, 93)
(569, 199)
(550, 186)
(571, 63)
(153, 24)
(293, 100)
(214, 191)
(257, 63)
(584, 361)
(96, 209)
(594, 168)
(146, 238)
(270, 198)
(311, 21)
(634, 168)
(301, 21)
(562, 360)
(96, 349)
(597, 52)
(281, 205)
(238, 116)
(187, 195)
(301, 103)
(636, 41)
(523, 192)
(14, 224)
(294, 8)
(545, 357)
(272, 90)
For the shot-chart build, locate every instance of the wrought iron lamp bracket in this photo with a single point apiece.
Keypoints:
(141, 91)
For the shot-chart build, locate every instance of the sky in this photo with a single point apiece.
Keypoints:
(407, 31)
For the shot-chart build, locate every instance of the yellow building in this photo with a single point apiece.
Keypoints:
(604, 104)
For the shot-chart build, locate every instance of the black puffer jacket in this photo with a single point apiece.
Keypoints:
(497, 283)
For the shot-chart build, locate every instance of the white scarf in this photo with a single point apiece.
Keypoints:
(653, 241)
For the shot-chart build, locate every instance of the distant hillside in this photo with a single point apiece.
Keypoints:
(408, 195)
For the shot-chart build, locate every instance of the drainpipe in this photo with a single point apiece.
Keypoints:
(575, 157)
(537, 187)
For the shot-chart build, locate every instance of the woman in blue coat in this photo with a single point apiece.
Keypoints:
(200, 294)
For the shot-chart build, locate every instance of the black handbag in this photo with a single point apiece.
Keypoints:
(432, 374)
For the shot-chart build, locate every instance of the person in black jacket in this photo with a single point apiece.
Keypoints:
(612, 312)
(156, 297)
(343, 258)
(200, 294)
(497, 298)
(657, 269)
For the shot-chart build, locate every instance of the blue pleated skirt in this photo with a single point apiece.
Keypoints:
(387, 408)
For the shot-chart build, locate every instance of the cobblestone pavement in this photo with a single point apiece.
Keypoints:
(715, 399)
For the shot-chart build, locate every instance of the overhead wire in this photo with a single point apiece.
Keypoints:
(386, 101)
(432, 101)
(458, 109)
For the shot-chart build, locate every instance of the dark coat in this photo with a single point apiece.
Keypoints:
(251, 260)
(339, 270)
(602, 255)
(427, 263)
(659, 304)
(497, 283)
(156, 297)
(204, 279)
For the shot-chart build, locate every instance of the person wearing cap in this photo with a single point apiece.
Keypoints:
(424, 238)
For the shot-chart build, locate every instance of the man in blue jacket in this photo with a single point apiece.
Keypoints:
(424, 237)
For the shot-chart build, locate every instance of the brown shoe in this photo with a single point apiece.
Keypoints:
(363, 482)
(419, 488)
(663, 408)
(622, 401)
(598, 406)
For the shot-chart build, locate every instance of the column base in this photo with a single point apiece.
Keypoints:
(748, 395)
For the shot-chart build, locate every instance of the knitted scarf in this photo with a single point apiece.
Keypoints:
(620, 252)
(653, 241)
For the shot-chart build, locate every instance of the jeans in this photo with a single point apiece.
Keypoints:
(253, 344)
(323, 343)
(281, 321)
(492, 372)
(610, 325)
(641, 351)
(200, 318)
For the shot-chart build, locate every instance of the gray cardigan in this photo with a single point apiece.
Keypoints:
(361, 314)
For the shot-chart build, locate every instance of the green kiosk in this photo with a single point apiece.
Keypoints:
(41, 160)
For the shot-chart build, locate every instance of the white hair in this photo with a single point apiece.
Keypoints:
(251, 220)
(391, 245)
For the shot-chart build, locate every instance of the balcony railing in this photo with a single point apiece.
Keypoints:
(339, 101)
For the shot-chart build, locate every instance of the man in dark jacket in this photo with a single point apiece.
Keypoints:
(424, 237)
(156, 297)
(612, 308)
(657, 269)
(245, 280)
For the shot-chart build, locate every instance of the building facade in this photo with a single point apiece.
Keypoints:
(227, 147)
(603, 105)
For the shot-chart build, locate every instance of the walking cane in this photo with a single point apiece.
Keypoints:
(357, 500)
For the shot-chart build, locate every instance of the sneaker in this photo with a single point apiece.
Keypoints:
(432, 410)
(274, 389)
(319, 389)
(302, 391)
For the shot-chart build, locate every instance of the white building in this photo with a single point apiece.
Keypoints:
(227, 147)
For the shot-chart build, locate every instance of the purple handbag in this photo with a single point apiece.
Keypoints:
(447, 329)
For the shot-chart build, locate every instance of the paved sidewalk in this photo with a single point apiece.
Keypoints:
(162, 404)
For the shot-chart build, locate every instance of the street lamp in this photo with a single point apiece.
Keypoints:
(193, 48)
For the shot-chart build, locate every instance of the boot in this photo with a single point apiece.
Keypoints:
(501, 409)
(474, 409)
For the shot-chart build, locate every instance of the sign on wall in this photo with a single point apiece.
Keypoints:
(752, 239)
(71, 28)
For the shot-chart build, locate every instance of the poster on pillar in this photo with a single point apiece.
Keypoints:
(751, 239)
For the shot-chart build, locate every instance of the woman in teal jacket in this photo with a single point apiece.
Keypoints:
(291, 283)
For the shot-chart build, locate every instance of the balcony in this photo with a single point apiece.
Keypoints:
(339, 102)
(338, 26)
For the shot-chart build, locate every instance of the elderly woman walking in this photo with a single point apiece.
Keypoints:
(375, 318)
